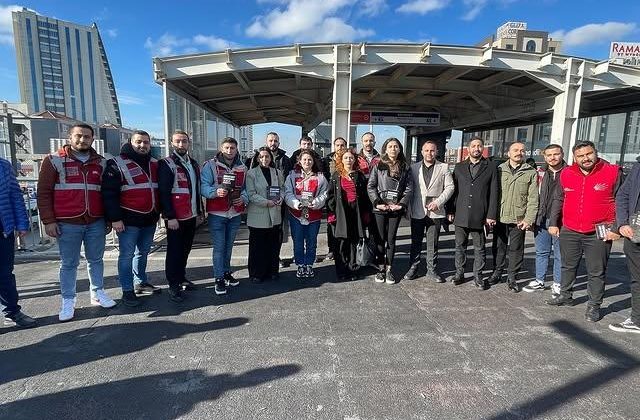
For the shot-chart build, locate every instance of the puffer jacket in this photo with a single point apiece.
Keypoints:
(13, 214)
(518, 194)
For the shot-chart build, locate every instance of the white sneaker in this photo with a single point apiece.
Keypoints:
(555, 289)
(533, 286)
(99, 297)
(67, 309)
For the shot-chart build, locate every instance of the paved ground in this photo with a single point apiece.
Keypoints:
(318, 349)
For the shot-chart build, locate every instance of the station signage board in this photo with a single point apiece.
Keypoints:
(627, 53)
(424, 119)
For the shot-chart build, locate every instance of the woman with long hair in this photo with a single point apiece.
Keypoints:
(347, 200)
(265, 190)
(305, 196)
(389, 189)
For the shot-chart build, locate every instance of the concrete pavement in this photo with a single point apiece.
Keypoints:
(318, 349)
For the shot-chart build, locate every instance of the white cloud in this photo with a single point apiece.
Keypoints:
(169, 44)
(129, 98)
(594, 33)
(371, 7)
(474, 8)
(422, 7)
(113, 33)
(6, 23)
(307, 21)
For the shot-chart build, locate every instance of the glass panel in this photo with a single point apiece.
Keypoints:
(606, 132)
(632, 141)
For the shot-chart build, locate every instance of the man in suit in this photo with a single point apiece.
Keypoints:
(472, 207)
(628, 220)
(434, 187)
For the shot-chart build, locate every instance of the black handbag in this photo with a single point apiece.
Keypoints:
(365, 253)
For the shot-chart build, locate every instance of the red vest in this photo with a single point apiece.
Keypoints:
(180, 195)
(216, 204)
(366, 167)
(77, 188)
(310, 185)
(588, 199)
(139, 191)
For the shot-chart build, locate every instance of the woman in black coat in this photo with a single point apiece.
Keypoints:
(389, 188)
(349, 205)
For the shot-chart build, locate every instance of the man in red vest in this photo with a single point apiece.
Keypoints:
(181, 207)
(223, 185)
(70, 206)
(368, 156)
(585, 202)
(130, 197)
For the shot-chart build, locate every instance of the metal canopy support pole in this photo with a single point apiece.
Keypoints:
(566, 108)
(167, 139)
(341, 107)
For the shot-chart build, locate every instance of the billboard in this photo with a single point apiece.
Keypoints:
(510, 29)
(627, 53)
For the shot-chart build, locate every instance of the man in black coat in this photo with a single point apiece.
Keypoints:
(473, 206)
(135, 227)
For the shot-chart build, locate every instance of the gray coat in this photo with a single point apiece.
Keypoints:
(259, 215)
(440, 189)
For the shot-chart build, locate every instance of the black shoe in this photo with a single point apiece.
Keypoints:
(458, 279)
(20, 320)
(480, 283)
(411, 274)
(229, 280)
(255, 280)
(380, 277)
(495, 278)
(146, 289)
(593, 313)
(435, 277)
(188, 285)
(220, 288)
(560, 300)
(176, 295)
(130, 299)
(513, 286)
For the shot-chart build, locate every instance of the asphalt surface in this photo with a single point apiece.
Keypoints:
(318, 349)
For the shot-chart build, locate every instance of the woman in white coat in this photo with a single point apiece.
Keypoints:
(264, 217)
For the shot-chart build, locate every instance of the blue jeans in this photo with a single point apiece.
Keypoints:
(8, 291)
(135, 243)
(305, 240)
(544, 244)
(223, 233)
(72, 237)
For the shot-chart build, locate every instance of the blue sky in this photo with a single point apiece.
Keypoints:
(135, 31)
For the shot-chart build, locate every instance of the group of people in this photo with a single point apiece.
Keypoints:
(572, 210)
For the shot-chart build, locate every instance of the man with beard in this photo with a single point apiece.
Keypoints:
(545, 243)
(585, 202)
(223, 185)
(70, 206)
(181, 207)
(518, 208)
(306, 143)
(130, 197)
(368, 156)
(473, 206)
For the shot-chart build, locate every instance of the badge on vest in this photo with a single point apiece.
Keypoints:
(135, 172)
(72, 171)
(181, 176)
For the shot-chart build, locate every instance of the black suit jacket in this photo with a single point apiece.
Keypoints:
(474, 199)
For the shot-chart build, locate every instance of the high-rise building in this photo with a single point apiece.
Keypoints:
(63, 67)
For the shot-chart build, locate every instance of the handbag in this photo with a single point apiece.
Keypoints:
(365, 253)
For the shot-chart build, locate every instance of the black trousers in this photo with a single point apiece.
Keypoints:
(462, 241)
(331, 239)
(344, 256)
(8, 290)
(508, 239)
(418, 227)
(264, 250)
(387, 229)
(179, 243)
(596, 255)
(632, 251)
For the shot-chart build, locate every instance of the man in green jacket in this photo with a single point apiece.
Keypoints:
(518, 208)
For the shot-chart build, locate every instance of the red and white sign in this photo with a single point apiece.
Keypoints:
(360, 117)
(627, 53)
